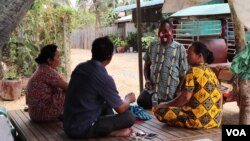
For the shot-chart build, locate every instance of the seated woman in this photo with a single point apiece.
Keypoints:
(46, 88)
(198, 103)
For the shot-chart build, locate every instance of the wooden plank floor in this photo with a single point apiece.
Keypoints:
(53, 131)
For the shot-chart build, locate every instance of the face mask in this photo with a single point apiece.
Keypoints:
(164, 36)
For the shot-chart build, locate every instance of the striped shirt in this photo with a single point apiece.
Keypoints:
(168, 64)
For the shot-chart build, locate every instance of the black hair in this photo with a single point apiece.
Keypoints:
(46, 52)
(168, 21)
(102, 48)
(202, 48)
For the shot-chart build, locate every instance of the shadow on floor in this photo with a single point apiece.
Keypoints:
(230, 114)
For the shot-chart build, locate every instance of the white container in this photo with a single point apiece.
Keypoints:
(131, 49)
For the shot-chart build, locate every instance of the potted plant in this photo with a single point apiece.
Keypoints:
(132, 41)
(11, 84)
(19, 56)
(120, 45)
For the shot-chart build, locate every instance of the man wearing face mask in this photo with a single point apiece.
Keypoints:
(165, 65)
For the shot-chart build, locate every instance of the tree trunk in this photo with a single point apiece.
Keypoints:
(244, 84)
(244, 101)
(239, 31)
(97, 13)
(11, 12)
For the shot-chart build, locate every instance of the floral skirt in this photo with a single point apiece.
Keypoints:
(51, 111)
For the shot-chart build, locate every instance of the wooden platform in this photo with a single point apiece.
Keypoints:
(31, 131)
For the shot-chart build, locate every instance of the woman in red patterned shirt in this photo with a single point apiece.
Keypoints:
(46, 88)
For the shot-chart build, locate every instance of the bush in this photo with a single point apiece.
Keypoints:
(11, 73)
(146, 41)
(132, 40)
(118, 41)
(20, 53)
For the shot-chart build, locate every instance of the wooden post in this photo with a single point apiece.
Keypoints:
(138, 17)
(244, 84)
(1, 67)
(66, 48)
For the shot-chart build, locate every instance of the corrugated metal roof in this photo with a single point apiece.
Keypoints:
(143, 4)
(172, 6)
(203, 10)
(213, 2)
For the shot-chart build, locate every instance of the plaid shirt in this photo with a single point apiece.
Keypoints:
(168, 64)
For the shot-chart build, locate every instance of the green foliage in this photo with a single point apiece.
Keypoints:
(112, 37)
(110, 17)
(20, 54)
(123, 43)
(46, 22)
(146, 41)
(83, 18)
(132, 40)
(101, 9)
(118, 41)
(11, 73)
(165, 15)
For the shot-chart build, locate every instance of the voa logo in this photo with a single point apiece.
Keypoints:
(236, 132)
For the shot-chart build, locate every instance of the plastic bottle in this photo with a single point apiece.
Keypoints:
(154, 99)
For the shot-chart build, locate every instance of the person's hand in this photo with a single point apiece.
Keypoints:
(130, 97)
(162, 105)
(148, 84)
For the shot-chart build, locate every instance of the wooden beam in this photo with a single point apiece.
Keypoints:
(138, 21)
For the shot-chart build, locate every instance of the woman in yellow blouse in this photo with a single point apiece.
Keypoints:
(199, 103)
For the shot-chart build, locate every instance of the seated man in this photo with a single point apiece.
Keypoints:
(92, 96)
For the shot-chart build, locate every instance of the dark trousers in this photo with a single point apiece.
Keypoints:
(109, 122)
(144, 100)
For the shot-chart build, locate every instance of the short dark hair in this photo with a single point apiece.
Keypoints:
(102, 48)
(202, 48)
(46, 52)
(168, 21)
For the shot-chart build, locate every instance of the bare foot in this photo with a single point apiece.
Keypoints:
(126, 132)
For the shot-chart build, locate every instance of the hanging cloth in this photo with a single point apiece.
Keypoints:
(241, 63)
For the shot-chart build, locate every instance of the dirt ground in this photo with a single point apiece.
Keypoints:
(124, 69)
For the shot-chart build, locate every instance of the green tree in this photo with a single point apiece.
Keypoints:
(110, 17)
(15, 9)
(99, 7)
(45, 23)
